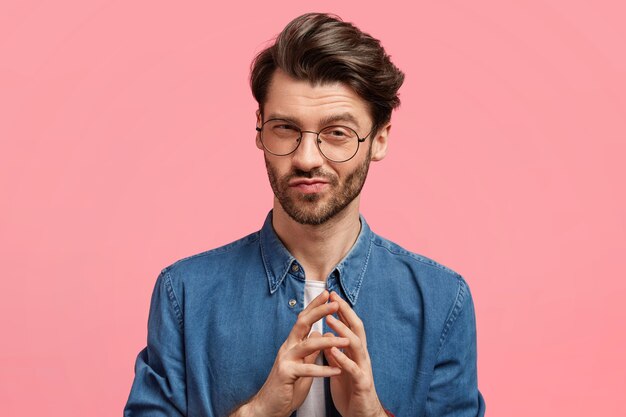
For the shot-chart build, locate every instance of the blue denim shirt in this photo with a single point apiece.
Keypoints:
(217, 320)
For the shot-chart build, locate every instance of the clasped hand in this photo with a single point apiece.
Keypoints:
(349, 370)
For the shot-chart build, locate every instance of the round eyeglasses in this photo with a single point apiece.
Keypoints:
(336, 143)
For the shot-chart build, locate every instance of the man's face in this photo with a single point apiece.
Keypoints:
(309, 188)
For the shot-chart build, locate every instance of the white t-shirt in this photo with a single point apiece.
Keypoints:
(315, 403)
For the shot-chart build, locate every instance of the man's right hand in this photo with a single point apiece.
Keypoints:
(292, 374)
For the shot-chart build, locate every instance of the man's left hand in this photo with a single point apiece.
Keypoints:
(353, 391)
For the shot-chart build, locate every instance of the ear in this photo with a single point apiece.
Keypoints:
(379, 143)
(259, 122)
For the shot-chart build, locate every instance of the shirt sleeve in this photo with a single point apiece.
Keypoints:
(454, 388)
(159, 385)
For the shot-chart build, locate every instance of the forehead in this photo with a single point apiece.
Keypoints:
(308, 104)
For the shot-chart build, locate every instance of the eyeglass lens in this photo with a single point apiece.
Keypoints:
(337, 143)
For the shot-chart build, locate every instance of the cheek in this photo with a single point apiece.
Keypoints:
(279, 166)
(352, 166)
(280, 163)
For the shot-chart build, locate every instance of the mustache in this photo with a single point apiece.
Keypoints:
(314, 173)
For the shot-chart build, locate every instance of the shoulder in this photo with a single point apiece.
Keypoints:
(419, 263)
(439, 284)
(443, 291)
(208, 263)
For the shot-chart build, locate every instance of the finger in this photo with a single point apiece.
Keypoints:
(349, 317)
(356, 346)
(301, 387)
(331, 359)
(318, 301)
(306, 369)
(321, 299)
(346, 364)
(342, 317)
(316, 344)
(313, 356)
(328, 355)
(307, 318)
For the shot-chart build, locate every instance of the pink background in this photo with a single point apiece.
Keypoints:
(127, 142)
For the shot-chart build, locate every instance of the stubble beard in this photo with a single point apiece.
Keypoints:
(308, 208)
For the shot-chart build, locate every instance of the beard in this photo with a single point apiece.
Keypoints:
(310, 209)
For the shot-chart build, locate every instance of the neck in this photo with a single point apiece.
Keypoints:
(318, 248)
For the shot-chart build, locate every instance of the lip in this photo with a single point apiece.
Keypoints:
(309, 185)
(307, 181)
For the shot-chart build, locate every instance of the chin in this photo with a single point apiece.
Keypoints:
(314, 215)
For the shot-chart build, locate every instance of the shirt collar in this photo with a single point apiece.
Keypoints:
(350, 271)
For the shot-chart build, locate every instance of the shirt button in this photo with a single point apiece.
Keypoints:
(292, 303)
(295, 267)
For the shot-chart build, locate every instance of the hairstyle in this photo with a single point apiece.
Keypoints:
(321, 48)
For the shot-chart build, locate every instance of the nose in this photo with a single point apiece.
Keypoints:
(307, 156)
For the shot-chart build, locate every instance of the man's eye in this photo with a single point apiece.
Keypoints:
(285, 130)
(338, 132)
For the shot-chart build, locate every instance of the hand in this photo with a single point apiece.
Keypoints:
(292, 374)
(353, 391)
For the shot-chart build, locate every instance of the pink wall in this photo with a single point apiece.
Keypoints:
(127, 134)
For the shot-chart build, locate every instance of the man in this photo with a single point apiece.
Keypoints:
(314, 314)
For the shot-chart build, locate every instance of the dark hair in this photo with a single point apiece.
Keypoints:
(322, 48)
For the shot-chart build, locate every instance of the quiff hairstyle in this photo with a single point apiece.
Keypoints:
(321, 48)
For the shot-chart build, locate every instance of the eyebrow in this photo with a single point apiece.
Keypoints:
(343, 117)
(326, 121)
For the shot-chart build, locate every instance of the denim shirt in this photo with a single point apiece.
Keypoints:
(218, 318)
